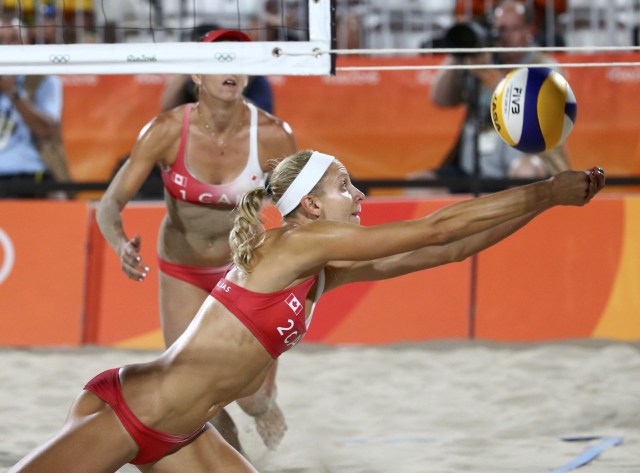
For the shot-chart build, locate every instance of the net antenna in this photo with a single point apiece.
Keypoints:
(251, 58)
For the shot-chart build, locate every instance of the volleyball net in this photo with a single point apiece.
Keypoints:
(290, 37)
(287, 41)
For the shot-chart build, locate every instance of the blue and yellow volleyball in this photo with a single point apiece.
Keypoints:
(533, 109)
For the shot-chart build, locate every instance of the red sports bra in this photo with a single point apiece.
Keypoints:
(182, 185)
(276, 319)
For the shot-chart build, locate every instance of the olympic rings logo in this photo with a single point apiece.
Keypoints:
(9, 255)
(60, 59)
(225, 57)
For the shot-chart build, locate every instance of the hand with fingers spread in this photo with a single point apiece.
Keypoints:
(131, 261)
(577, 187)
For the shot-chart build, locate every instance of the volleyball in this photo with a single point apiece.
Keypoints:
(533, 109)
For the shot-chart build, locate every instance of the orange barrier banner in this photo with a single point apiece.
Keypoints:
(43, 259)
(382, 124)
(102, 117)
(571, 273)
(565, 275)
(119, 308)
(568, 274)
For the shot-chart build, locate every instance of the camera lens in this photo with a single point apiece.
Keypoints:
(465, 35)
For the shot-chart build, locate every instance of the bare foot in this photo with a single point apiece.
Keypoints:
(271, 426)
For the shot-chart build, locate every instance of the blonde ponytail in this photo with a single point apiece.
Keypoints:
(248, 230)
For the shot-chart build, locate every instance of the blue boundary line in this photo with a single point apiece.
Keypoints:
(581, 460)
(589, 454)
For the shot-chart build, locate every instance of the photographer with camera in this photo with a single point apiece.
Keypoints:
(478, 149)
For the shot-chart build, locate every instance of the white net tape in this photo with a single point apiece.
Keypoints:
(254, 58)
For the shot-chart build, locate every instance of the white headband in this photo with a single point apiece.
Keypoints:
(310, 175)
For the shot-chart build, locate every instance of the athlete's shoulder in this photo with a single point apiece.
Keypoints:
(171, 119)
(164, 126)
(271, 122)
(159, 135)
(275, 136)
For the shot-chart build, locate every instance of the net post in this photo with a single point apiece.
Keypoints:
(322, 25)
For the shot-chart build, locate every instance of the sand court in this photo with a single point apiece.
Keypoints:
(454, 406)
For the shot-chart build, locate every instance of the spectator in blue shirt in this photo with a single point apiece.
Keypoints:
(30, 113)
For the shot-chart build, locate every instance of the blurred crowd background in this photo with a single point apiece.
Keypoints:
(360, 23)
(100, 116)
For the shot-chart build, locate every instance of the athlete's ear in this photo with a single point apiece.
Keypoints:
(197, 79)
(310, 206)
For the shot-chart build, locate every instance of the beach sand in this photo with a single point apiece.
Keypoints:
(455, 406)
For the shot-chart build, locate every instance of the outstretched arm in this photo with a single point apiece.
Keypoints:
(423, 258)
(323, 242)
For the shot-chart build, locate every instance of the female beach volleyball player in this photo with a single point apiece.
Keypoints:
(209, 154)
(155, 414)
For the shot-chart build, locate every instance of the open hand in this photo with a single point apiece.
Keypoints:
(131, 262)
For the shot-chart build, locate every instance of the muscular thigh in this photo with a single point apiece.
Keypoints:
(90, 423)
(208, 453)
(179, 302)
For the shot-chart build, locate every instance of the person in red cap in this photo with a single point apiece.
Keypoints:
(225, 35)
(180, 89)
(208, 153)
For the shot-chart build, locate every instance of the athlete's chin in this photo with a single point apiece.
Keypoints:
(232, 95)
(355, 219)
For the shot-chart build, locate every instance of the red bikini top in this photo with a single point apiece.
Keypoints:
(276, 319)
(182, 185)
